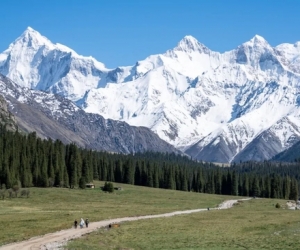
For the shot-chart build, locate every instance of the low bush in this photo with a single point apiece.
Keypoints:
(108, 187)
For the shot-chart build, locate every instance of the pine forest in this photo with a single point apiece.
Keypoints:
(27, 160)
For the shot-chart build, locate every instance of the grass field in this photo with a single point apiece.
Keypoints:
(52, 209)
(254, 224)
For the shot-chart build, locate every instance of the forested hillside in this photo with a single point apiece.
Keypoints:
(27, 160)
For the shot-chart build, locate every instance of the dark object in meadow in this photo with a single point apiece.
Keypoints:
(90, 185)
(277, 205)
(108, 187)
(114, 225)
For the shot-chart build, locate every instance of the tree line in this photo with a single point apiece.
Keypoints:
(32, 161)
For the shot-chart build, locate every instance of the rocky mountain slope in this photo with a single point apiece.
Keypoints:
(53, 116)
(7, 119)
(291, 154)
(238, 105)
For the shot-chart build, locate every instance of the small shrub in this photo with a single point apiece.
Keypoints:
(51, 182)
(10, 193)
(25, 192)
(3, 186)
(2, 193)
(108, 187)
(16, 189)
(82, 183)
(277, 205)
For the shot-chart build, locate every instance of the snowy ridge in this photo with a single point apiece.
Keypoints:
(213, 105)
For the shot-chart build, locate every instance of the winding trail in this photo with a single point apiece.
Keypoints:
(57, 239)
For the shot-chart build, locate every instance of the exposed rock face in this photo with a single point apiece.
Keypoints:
(7, 118)
(53, 116)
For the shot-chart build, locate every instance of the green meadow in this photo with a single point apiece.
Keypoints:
(52, 209)
(253, 224)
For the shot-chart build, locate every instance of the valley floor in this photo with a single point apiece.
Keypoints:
(60, 238)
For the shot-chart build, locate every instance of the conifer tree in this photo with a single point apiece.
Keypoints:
(44, 173)
(155, 178)
(286, 187)
(234, 184)
(149, 175)
(255, 187)
(184, 180)
(128, 172)
(118, 171)
(294, 190)
(218, 182)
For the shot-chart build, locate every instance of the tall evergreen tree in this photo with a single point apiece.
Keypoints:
(234, 184)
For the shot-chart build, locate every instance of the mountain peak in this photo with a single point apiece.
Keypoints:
(190, 39)
(30, 29)
(190, 44)
(258, 40)
(32, 38)
(31, 32)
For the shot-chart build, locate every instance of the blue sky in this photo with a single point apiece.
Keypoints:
(120, 32)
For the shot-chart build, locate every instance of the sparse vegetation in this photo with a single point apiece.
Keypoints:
(13, 192)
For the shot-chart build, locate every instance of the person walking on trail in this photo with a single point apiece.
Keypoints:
(81, 223)
(87, 222)
(75, 224)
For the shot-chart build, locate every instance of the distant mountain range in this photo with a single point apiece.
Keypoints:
(224, 107)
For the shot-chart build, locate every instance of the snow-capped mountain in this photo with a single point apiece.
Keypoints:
(34, 62)
(53, 116)
(217, 106)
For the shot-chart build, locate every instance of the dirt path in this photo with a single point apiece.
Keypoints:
(55, 240)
